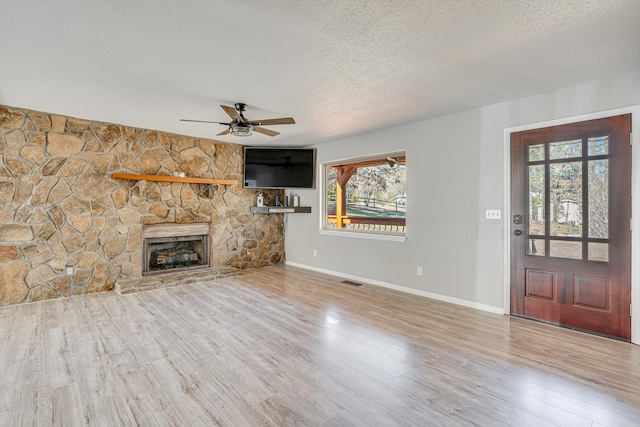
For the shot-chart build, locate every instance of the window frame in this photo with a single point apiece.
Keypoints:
(351, 233)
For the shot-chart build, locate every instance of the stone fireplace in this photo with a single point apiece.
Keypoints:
(68, 227)
(174, 247)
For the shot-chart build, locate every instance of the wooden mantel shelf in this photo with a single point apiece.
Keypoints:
(165, 178)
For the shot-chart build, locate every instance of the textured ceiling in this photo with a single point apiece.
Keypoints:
(339, 67)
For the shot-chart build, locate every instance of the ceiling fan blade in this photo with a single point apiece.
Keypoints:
(232, 112)
(224, 132)
(202, 121)
(281, 121)
(265, 131)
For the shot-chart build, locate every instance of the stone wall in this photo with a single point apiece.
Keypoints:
(60, 207)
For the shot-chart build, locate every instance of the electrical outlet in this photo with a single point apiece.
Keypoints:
(493, 214)
(68, 271)
(315, 252)
(419, 270)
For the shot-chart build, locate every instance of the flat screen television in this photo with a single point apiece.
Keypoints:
(279, 167)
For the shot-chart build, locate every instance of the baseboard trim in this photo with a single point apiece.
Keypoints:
(438, 297)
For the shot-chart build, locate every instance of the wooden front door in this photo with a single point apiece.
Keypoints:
(570, 225)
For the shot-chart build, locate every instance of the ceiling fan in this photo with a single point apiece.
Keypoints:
(240, 126)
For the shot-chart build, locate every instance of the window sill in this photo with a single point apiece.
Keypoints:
(364, 235)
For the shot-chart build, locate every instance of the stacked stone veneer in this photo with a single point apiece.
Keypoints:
(60, 207)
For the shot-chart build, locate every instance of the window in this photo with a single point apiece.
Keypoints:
(569, 199)
(366, 196)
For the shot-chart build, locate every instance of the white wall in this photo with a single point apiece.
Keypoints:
(455, 170)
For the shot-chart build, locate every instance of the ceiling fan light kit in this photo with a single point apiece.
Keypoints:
(240, 129)
(240, 126)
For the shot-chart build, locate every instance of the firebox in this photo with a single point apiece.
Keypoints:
(174, 247)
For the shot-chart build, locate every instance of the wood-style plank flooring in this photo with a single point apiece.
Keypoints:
(282, 346)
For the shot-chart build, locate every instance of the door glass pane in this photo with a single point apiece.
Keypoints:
(566, 199)
(599, 252)
(560, 249)
(536, 152)
(599, 199)
(598, 146)
(536, 247)
(536, 199)
(565, 149)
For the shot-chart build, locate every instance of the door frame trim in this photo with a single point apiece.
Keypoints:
(635, 203)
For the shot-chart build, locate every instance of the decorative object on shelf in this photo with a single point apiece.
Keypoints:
(296, 201)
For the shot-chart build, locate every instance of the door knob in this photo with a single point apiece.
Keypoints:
(517, 232)
(517, 219)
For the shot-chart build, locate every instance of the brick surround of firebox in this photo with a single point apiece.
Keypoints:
(59, 206)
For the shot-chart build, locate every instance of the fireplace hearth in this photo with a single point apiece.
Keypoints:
(174, 247)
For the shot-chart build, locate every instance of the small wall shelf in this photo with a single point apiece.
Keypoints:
(280, 209)
(164, 178)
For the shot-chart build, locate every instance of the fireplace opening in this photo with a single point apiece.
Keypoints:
(173, 247)
(182, 252)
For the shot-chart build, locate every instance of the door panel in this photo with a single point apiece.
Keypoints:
(540, 284)
(570, 234)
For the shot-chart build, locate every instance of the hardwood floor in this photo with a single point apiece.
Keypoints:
(282, 346)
